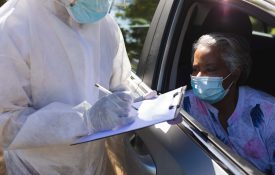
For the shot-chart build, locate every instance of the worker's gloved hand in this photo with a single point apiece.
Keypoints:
(110, 112)
(150, 95)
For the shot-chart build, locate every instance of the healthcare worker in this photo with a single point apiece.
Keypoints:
(52, 52)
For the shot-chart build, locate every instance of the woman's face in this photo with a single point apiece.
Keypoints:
(208, 62)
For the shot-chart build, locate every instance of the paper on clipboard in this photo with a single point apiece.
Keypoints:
(150, 112)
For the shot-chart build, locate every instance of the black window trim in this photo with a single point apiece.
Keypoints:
(231, 162)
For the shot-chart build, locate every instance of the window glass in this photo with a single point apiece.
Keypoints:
(134, 18)
(259, 26)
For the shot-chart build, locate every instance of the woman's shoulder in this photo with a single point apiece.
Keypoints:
(255, 96)
(189, 95)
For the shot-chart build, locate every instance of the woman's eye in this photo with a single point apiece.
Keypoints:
(194, 69)
(195, 72)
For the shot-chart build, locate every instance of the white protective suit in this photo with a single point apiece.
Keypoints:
(49, 65)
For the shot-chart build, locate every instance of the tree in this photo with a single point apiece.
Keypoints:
(2, 2)
(138, 15)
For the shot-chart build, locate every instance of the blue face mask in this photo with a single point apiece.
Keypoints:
(89, 11)
(209, 89)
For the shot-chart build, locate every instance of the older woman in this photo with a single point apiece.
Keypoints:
(241, 117)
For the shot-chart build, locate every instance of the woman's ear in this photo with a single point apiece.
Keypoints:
(237, 74)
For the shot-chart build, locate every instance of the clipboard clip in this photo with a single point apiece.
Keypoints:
(172, 107)
(176, 100)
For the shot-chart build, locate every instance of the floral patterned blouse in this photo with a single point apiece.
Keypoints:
(251, 127)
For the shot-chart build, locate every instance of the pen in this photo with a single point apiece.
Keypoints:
(106, 91)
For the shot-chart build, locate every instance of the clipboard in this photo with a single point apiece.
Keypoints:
(163, 108)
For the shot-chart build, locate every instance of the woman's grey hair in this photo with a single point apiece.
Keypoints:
(234, 50)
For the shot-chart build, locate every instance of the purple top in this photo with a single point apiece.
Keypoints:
(251, 127)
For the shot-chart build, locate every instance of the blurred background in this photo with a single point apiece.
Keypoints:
(134, 18)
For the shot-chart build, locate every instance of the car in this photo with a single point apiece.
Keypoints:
(165, 64)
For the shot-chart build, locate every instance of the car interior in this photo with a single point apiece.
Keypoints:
(208, 17)
(220, 18)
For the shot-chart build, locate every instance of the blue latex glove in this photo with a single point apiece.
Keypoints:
(150, 95)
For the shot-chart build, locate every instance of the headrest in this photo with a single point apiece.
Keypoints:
(228, 20)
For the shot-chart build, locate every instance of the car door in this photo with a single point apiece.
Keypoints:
(186, 147)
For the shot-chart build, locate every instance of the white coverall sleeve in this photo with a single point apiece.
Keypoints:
(21, 124)
(121, 64)
(122, 71)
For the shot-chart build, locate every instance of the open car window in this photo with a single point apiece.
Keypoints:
(201, 21)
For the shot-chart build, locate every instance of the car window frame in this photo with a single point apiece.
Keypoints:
(233, 163)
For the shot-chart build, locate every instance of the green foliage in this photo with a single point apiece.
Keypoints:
(2, 2)
(139, 14)
(259, 26)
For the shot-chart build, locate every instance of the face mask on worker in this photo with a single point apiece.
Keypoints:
(88, 11)
(209, 89)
